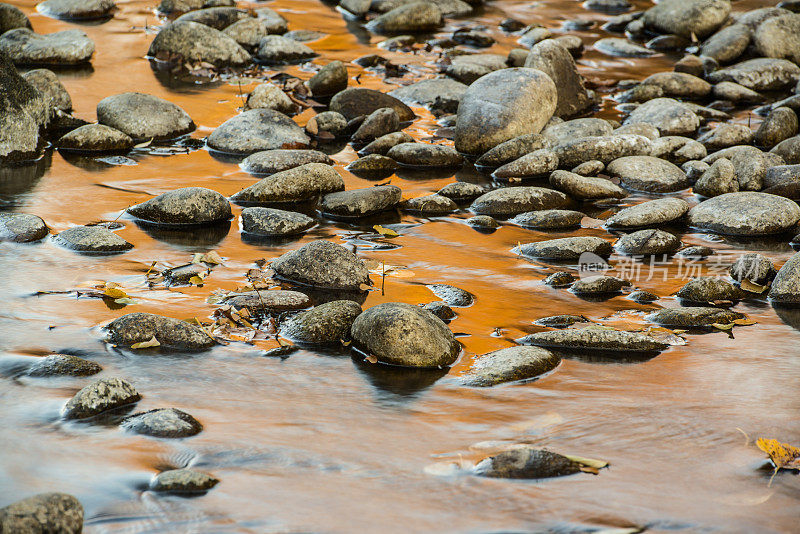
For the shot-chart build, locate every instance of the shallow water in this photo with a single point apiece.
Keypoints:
(319, 443)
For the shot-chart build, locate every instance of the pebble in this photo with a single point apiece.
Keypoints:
(511, 364)
(719, 179)
(536, 164)
(329, 80)
(526, 462)
(604, 149)
(513, 149)
(417, 17)
(377, 124)
(277, 50)
(277, 160)
(372, 164)
(598, 286)
(423, 155)
(668, 115)
(382, 145)
(585, 188)
(510, 201)
(185, 206)
(549, 219)
(95, 138)
(461, 191)
(269, 96)
(361, 202)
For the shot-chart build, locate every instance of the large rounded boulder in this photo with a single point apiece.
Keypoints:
(322, 264)
(745, 214)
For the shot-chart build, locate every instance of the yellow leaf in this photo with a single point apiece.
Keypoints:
(152, 342)
(115, 293)
(125, 301)
(372, 359)
(783, 455)
(723, 327)
(744, 322)
(212, 258)
(143, 145)
(752, 287)
(588, 462)
(385, 232)
(364, 287)
(196, 280)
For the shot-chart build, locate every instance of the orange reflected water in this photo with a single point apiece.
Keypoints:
(316, 443)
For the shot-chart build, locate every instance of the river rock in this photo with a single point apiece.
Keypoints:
(377, 124)
(726, 135)
(171, 333)
(779, 125)
(603, 149)
(327, 323)
(585, 187)
(786, 286)
(554, 60)
(779, 37)
(679, 84)
(789, 150)
(526, 462)
(483, 222)
(509, 365)
(503, 105)
(693, 316)
(719, 179)
(97, 138)
(271, 302)
(249, 31)
(183, 481)
(598, 286)
(277, 160)
(564, 132)
(329, 80)
(47, 83)
(357, 101)
(735, 93)
(144, 117)
(269, 96)
(687, 18)
(430, 205)
(760, 74)
(361, 202)
(68, 47)
(668, 115)
(272, 222)
(646, 173)
(218, 18)
(24, 111)
(77, 9)
(297, 184)
(383, 144)
(549, 219)
(322, 264)
(195, 42)
(417, 17)
(452, 296)
(188, 205)
(12, 17)
(537, 163)
(328, 121)
(513, 149)
(21, 227)
(443, 92)
(422, 155)
(510, 201)
(91, 239)
(648, 242)
(274, 21)
(755, 268)
(745, 214)
(371, 165)
(565, 248)
(163, 423)
(560, 321)
(63, 365)
(594, 339)
(677, 149)
(707, 289)
(101, 396)
(652, 213)
(461, 191)
(616, 47)
(468, 68)
(727, 44)
(276, 50)
(45, 513)
(256, 130)
(405, 335)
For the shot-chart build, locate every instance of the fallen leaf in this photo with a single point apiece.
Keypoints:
(783, 455)
(588, 462)
(152, 342)
(196, 280)
(126, 301)
(114, 293)
(372, 359)
(143, 145)
(752, 287)
(385, 232)
(364, 287)
(744, 322)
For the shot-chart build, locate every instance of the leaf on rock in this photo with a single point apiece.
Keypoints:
(752, 287)
(385, 232)
(143, 145)
(196, 280)
(125, 301)
(152, 342)
(744, 322)
(114, 293)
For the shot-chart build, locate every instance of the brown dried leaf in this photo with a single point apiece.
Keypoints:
(152, 342)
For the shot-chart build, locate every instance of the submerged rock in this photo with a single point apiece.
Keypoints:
(45, 513)
(510, 201)
(183, 481)
(565, 248)
(322, 264)
(95, 138)
(68, 47)
(528, 463)
(101, 396)
(297, 184)
(361, 202)
(405, 335)
(91, 239)
(709, 289)
(277, 160)
(594, 339)
(586, 187)
(694, 316)
(185, 206)
(256, 130)
(63, 365)
(745, 214)
(163, 423)
(549, 219)
(22, 227)
(651, 213)
(171, 333)
(144, 117)
(509, 365)
(327, 323)
(261, 302)
(421, 155)
(274, 222)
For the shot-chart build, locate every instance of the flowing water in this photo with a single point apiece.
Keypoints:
(319, 443)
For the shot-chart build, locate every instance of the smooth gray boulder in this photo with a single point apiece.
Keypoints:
(509, 365)
(563, 132)
(668, 115)
(648, 242)
(372, 164)
(377, 124)
(503, 105)
(565, 248)
(144, 117)
(22, 227)
(646, 173)
(788, 150)
(585, 187)
(134, 328)
(101, 396)
(415, 17)
(598, 286)
(452, 296)
(590, 339)
(68, 47)
(405, 335)
(185, 206)
(361, 202)
(277, 160)
(677, 149)
(256, 130)
(444, 93)
(709, 289)
(272, 222)
(779, 125)
(461, 191)
(430, 205)
(537, 163)
(297, 184)
(44, 513)
(322, 264)
(219, 17)
(617, 47)
(95, 138)
(786, 286)
(687, 18)
(726, 135)
(760, 74)
(384, 144)
(510, 201)
(604, 149)
(651, 213)
(354, 102)
(163, 423)
(746, 214)
(553, 59)
(325, 324)
(276, 50)
(183, 481)
(679, 84)
(422, 155)
(77, 9)
(91, 239)
(549, 219)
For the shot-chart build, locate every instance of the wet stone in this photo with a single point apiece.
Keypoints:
(63, 365)
(461, 191)
(786, 286)
(779, 37)
(361, 202)
(585, 187)
(599, 285)
(372, 164)
(643, 297)
(513, 149)
(77, 9)
(183, 274)
(277, 160)
(452, 296)
(594, 339)
(549, 219)
(552, 58)
(560, 321)
(753, 267)
(648, 243)
(687, 17)
(95, 138)
(616, 47)
(668, 115)
(50, 86)
(526, 462)
(270, 96)
(377, 124)
(260, 302)
(12, 17)
(163, 423)
(24, 112)
(144, 117)
(735, 93)
(509, 365)
(559, 279)
(565, 248)
(589, 168)
(646, 173)
(68, 47)
(420, 155)
(276, 50)
(650, 213)
(297, 184)
(383, 144)
(566, 131)
(709, 289)
(249, 31)
(101, 396)
(694, 316)
(405, 335)
(779, 125)
(91, 239)
(510, 201)
(272, 222)
(719, 179)
(218, 18)
(483, 222)
(726, 135)
(185, 206)
(440, 91)
(727, 44)
(256, 130)
(760, 74)
(789, 150)
(430, 205)
(195, 42)
(679, 84)
(410, 18)
(45, 513)
(327, 323)
(22, 227)
(183, 481)
(694, 170)
(677, 149)
(322, 264)
(328, 121)
(600, 148)
(171, 333)
(329, 80)
(358, 101)
(695, 252)
(537, 163)
(745, 214)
